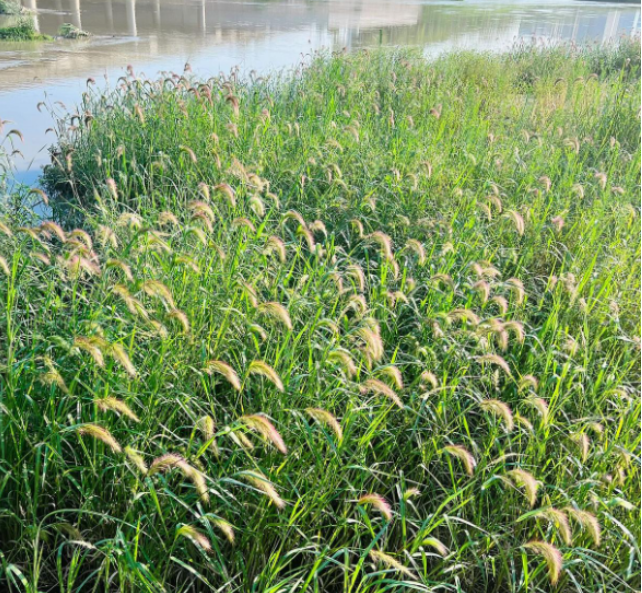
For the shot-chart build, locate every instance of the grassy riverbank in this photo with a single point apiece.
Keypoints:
(23, 30)
(370, 326)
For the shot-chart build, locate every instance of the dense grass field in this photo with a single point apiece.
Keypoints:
(372, 325)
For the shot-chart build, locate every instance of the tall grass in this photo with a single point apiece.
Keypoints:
(372, 325)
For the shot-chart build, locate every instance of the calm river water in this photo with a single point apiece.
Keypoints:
(215, 35)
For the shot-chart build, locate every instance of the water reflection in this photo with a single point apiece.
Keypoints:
(132, 29)
(215, 35)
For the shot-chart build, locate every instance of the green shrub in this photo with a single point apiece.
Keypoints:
(24, 30)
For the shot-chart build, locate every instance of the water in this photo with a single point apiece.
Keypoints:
(215, 35)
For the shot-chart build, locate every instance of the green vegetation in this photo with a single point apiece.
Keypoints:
(23, 30)
(10, 7)
(373, 325)
(69, 31)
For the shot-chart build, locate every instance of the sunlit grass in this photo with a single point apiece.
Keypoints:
(369, 326)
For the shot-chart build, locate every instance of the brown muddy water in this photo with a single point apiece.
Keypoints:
(261, 35)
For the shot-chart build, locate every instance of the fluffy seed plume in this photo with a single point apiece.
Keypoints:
(93, 346)
(327, 419)
(258, 367)
(429, 378)
(559, 520)
(119, 354)
(101, 434)
(226, 190)
(276, 245)
(387, 560)
(500, 409)
(181, 317)
(344, 359)
(418, 249)
(170, 461)
(588, 521)
(463, 315)
(517, 220)
(195, 536)
(583, 442)
(516, 328)
(380, 388)
(5, 229)
(224, 369)
(551, 555)
(224, 527)
(356, 274)
(496, 360)
(501, 302)
(165, 463)
(463, 455)
(53, 377)
(516, 287)
(122, 266)
(523, 479)
(49, 227)
(116, 405)
(378, 502)
(384, 241)
(133, 304)
(438, 546)
(158, 289)
(411, 493)
(137, 459)
(276, 311)
(528, 381)
(541, 406)
(373, 344)
(208, 429)
(394, 374)
(482, 288)
(266, 429)
(260, 482)
(166, 218)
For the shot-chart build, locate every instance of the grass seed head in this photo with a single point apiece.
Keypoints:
(392, 373)
(501, 409)
(378, 502)
(181, 317)
(495, 359)
(266, 429)
(463, 455)
(258, 367)
(224, 369)
(438, 546)
(195, 536)
(276, 311)
(116, 405)
(224, 527)
(101, 434)
(387, 560)
(137, 459)
(260, 482)
(327, 419)
(208, 429)
(276, 245)
(378, 387)
(344, 359)
(560, 520)
(551, 555)
(588, 521)
(521, 478)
